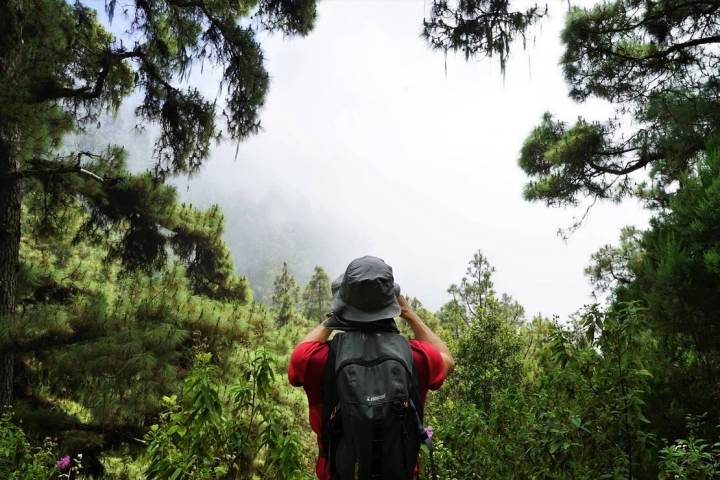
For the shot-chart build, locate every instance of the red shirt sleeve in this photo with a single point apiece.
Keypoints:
(305, 359)
(429, 364)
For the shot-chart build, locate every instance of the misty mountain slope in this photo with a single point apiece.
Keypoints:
(265, 224)
(263, 231)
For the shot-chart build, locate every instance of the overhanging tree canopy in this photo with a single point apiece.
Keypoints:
(656, 62)
(60, 69)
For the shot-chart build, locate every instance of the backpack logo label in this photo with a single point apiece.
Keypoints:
(375, 398)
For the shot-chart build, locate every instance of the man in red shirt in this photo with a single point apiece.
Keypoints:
(431, 357)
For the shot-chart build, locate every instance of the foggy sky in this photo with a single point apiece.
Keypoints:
(374, 144)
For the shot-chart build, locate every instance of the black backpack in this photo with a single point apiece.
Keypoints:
(372, 416)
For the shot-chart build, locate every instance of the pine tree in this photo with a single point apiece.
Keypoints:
(285, 296)
(672, 270)
(60, 69)
(475, 289)
(317, 295)
(97, 346)
(655, 63)
(475, 298)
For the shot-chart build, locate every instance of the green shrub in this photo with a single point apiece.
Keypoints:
(214, 431)
(691, 459)
(19, 460)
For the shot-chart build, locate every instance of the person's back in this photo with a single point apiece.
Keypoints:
(366, 389)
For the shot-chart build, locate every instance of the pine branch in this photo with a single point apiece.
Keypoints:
(53, 339)
(49, 92)
(680, 46)
(661, 54)
(664, 13)
(614, 170)
(61, 170)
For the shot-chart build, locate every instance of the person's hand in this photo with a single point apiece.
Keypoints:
(406, 310)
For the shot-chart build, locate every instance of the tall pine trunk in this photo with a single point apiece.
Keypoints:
(9, 254)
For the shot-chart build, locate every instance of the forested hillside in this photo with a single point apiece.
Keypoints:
(132, 348)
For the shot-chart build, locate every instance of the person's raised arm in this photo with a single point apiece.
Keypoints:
(424, 333)
(302, 354)
(317, 334)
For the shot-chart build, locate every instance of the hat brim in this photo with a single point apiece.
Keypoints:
(353, 314)
(334, 322)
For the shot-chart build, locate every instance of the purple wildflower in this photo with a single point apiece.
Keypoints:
(429, 431)
(63, 463)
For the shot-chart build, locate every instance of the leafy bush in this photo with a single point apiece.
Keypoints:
(18, 460)
(214, 431)
(547, 400)
(691, 459)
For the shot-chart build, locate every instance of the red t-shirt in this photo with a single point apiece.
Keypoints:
(307, 369)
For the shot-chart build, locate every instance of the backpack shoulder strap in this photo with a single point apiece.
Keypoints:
(329, 394)
(414, 381)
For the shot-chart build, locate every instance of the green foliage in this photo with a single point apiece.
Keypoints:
(217, 431)
(676, 277)
(579, 415)
(487, 27)
(490, 352)
(629, 372)
(653, 62)
(489, 343)
(286, 296)
(474, 298)
(60, 69)
(317, 296)
(485, 384)
(690, 459)
(49, 46)
(60, 57)
(100, 345)
(603, 378)
(140, 222)
(20, 461)
(591, 399)
(555, 157)
(475, 289)
(611, 266)
(545, 400)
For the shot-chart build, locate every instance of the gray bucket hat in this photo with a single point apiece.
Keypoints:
(366, 292)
